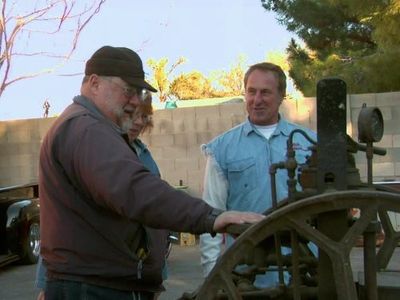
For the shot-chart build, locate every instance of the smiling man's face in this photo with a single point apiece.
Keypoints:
(263, 97)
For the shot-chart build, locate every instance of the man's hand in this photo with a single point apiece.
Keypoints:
(235, 217)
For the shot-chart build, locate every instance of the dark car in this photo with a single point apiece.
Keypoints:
(19, 224)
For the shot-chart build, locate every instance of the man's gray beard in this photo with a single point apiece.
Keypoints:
(120, 116)
(126, 124)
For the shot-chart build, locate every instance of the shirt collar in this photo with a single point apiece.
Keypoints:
(281, 128)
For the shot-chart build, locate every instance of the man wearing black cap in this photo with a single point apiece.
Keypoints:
(96, 195)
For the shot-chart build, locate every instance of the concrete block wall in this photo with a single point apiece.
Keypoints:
(178, 134)
(19, 150)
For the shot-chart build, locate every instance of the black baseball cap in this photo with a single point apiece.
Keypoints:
(120, 62)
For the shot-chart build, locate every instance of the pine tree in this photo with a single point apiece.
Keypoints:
(356, 40)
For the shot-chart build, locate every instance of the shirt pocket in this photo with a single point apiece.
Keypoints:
(242, 176)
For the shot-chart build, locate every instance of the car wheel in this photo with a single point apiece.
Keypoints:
(31, 244)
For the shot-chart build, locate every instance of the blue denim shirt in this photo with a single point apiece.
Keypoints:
(242, 157)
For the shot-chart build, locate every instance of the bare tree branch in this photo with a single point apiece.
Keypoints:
(25, 25)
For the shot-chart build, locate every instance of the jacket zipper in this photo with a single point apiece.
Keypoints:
(139, 269)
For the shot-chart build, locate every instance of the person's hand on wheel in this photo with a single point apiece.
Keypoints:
(235, 217)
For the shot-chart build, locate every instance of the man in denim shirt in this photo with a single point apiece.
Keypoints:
(238, 161)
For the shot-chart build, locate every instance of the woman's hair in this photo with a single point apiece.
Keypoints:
(147, 109)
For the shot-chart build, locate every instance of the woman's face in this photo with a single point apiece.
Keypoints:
(139, 122)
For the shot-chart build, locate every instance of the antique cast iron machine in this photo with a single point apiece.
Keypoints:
(318, 216)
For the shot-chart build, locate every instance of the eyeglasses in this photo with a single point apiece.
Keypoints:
(130, 92)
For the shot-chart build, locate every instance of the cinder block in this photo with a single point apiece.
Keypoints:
(44, 125)
(10, 149)
(176, 176)
(186, 164)
(22, 135)
(397, 169)
(215, 134)
(357, 101)
(194, 152)
(208, 112)
(21, 160)
(145, 138)
(384, 169)
(392, 126)
(4, 151)
(26, 147)
(362, 167)
(179, 126)
(195, 177)
(156, 152)
(288, 111)
(4, 162)
(159, 140)
(9, 174)
(173, 152)
(354, 115)
(237, 119)
(304, 121)
(35, 134)
(395, 153)
(202, 124)
(183, 113)
(166, 127)
(221, 124)
(28, 174)
(304, 116)
(396, 140)
(8, 181)
(202, 160)
(309, 101)
(386, 141)
(377, 159)
(166, 166)
(154, 130)
(396, 112)
(288, 105)
(185, 139)
(229, 109)
(313, 125)
(386, 112)
(388, 99)
(35, 167)
(163, 114)
(3, 132)
(203, 137)
(190, 125)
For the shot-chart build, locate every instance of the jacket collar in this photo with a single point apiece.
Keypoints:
(95, 112)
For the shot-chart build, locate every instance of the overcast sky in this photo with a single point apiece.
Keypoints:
(210, 34)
